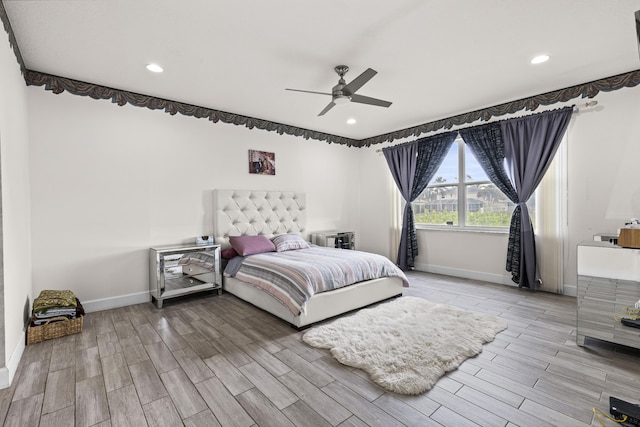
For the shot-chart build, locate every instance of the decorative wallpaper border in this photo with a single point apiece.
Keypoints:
(12, 39)
(585, 90)
(58, 85)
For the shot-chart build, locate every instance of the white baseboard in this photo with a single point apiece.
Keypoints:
(115, 302)
(8, 372)
(465, 274)
(570, 290)
(4, 378)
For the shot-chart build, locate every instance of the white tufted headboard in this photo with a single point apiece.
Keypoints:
(253, 212)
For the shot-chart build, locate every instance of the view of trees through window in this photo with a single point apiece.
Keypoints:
(460, 178)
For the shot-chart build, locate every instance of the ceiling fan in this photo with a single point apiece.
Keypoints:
(343, 92)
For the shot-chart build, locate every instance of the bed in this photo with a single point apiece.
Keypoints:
(273, 213)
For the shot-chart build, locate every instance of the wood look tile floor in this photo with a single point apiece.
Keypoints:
(215, 360)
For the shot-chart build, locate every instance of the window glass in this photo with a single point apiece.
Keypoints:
(448, 171)
(437, 206)
(472, 169)
(487, 206)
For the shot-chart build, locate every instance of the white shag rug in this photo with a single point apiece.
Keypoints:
(407, 344)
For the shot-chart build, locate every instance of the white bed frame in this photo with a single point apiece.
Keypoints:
(253, 212)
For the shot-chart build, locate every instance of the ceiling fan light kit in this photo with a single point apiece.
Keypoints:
(343, 93)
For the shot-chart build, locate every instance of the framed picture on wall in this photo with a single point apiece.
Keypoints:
(262, 162)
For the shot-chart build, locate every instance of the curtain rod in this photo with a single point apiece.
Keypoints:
(576, 108)
(587, 104)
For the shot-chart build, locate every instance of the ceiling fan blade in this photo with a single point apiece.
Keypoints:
(359, 81)
(327, 108)
(309, 91)
(371, 101)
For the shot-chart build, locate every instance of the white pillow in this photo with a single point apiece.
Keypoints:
(289, 242)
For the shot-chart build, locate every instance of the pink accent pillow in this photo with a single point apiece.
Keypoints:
(249, 245)
(228, 253)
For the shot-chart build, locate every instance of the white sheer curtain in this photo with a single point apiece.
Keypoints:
(397, 208)
(551, 222)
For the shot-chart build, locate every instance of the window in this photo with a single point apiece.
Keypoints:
(460, 181)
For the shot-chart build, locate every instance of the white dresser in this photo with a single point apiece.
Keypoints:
(608, 282)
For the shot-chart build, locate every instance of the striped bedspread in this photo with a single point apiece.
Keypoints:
(292, 277)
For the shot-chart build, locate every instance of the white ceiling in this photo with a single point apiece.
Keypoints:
(435, 58)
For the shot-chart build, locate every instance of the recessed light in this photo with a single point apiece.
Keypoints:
(154, 68)
(540, 59)
(351, 121)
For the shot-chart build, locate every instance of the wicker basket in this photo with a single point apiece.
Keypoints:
(55, 327)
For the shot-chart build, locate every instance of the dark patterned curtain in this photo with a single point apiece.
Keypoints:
(402, 161)
(528, 145)
(412, 166)
(485, 142)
